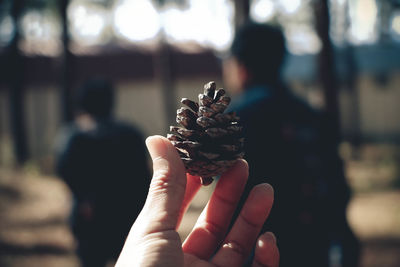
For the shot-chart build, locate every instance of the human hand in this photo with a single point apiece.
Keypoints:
(154, 241)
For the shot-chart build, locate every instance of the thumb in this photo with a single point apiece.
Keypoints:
(167, 188)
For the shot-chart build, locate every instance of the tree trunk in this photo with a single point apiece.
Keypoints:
(16, 89)
(242, 12)
(326, 64)
(66, 70)
(163, 70)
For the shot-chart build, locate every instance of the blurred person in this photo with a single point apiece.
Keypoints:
(154, 241)
(290, 146)
(104, 162)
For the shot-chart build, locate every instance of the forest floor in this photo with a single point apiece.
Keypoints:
(34, 212)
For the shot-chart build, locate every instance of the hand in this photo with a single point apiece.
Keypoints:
(154, 241)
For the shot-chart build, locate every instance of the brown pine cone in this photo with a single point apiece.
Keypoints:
(209, 141)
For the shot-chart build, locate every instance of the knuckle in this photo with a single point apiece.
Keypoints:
(166, 180)
(160, 181)
(235, 247)
(215, 230)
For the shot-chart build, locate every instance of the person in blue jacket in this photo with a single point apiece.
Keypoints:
(293, 147)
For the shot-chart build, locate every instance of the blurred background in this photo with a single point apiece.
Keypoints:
(344, 58)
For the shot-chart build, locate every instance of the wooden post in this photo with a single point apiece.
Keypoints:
(326, 64)
(66, 75)
(16, 90)
(242, 12)
(351, 84)
(163, 70)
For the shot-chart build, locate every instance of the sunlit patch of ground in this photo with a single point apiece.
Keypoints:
(375, 219)
(373, 172)
(376, 215)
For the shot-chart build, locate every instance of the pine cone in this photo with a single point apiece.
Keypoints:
(210, 141)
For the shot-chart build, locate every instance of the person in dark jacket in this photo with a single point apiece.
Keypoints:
(104, 163)
(291, 146)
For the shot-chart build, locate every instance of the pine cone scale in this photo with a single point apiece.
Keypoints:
(190, 104)
(205, 100)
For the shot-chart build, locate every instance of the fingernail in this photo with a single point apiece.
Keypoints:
(267, 187)
(155, 145)
(270, 237)
(150, 138)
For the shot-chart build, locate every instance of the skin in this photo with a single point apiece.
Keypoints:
(154, 241)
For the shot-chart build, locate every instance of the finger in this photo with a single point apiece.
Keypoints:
(214, 221)
(240, 240)
(193, 184)
(267, 253)
(167, 187)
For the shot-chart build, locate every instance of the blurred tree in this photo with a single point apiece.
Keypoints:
(242, 11)
(163, 68)
(15, 80)
(326, 65)
(67, 61)
(178, 2)
(164, 72)
(351, 80)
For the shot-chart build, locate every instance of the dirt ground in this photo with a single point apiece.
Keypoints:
(34, 230)
(33, 222)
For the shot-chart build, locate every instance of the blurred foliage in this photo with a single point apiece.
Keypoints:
(167, 2)
(353, 22)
